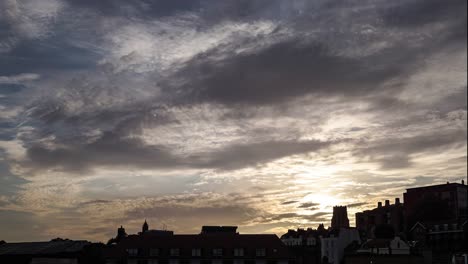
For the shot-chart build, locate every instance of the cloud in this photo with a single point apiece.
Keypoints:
(282, 72)
(316, 217)
(110, 150)
(14, 79)
(308, 205)
(241, 109)
(356, 204)
(239, 156)
(26, 20)
(417, 13)
(395, 153)
(289, 202)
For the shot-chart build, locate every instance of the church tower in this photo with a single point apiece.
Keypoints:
(340, 217)
(145, 227)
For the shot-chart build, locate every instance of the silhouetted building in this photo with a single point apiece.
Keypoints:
(444, 240)
(436, 203)
(219, 230)
(60, 251)
(437, 219)
(213, 246)
(153, 232)
(389, 214)
(385, 246)
(340, 217)
(334, 244)
(120, 234)
(305, 243)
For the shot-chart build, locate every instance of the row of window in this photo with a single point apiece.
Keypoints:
(197, 252)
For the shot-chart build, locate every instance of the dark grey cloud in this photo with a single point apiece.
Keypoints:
(108, 150)
(131, 8)
(356, 204)
(53, 117)
(112, 150)
(239, 156)
(308, 205)
(43, 56)
(92, 202)
(288, 202)
(319, 216)
(416, 13)
(287, 70)
(394, 153)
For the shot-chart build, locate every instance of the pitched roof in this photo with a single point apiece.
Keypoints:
(43, 248)
(418, 224)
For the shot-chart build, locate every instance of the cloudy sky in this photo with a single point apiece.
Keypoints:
(257, 113)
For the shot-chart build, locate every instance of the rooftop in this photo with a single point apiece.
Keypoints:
(43, 248)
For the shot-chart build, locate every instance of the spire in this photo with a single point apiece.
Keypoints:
(145, 227)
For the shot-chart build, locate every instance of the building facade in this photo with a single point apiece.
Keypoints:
(214, 245)
(388, 214)
(437, 203)
(305, 244)
(333, 246)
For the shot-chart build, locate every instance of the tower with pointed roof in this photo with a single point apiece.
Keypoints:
(145, 227)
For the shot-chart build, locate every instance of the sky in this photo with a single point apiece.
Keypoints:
(257, 113)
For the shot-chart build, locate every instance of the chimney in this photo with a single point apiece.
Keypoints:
(379, 204)
(463, 182)
(397, 201)
(387, 202)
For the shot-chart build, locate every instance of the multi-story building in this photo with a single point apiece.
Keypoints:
(214, 245)
(436, 203)
(437, 219)
(305, 243)
(304, 237)
(333, 246)
(389, 214)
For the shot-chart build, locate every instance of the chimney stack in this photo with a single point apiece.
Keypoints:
(463, 182)
(387, 202)
(379, 204)
(397, 201)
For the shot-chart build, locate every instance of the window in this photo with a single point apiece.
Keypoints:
(154, 252)
(311, 241)
(260, 261)
(132, 251)
(217, 261)
(238, 261)
(217, 252)
(173, 261)
(153, 261)
(174, 252)
(260, 252)
(196, 252)
(132, 261)
(238, 252)
(195, 261)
